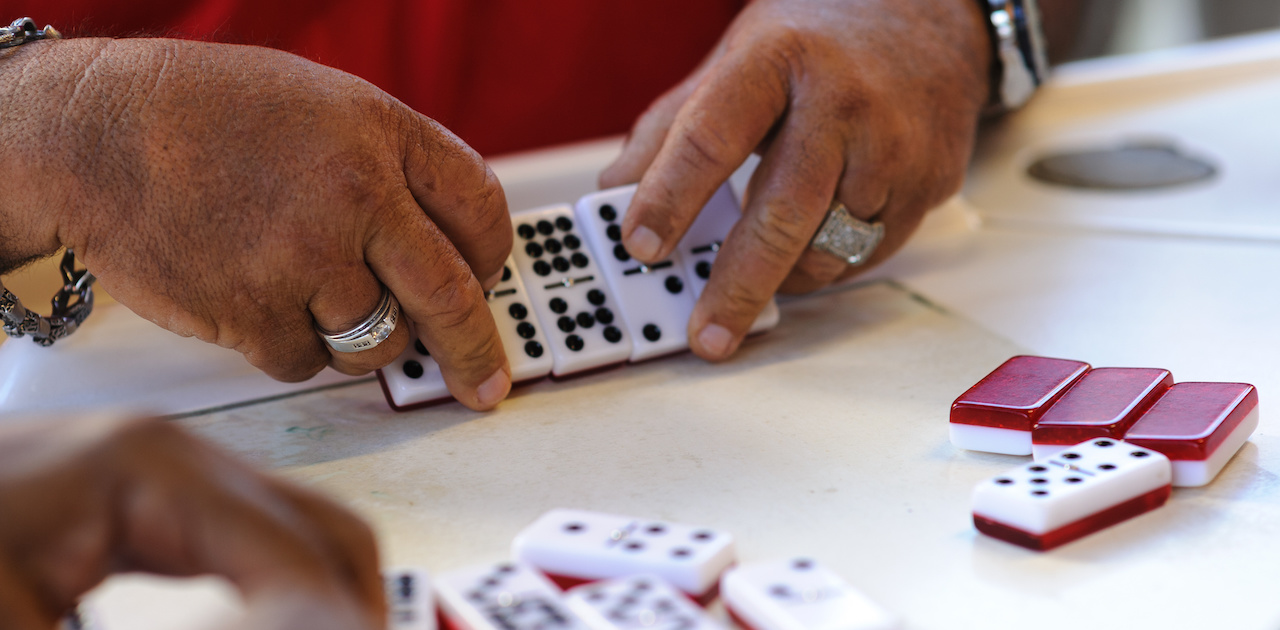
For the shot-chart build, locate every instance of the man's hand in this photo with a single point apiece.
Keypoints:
(246, 196)
(85, 499)
(872, 102)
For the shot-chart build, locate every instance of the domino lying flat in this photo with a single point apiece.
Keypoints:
(502, 597)
(410, 603)
(1083, 489)
(798, 595)
(1199, 427)
(1104, 403)
(572, 300)
(998, 413)
(638, 601)
(575, 546)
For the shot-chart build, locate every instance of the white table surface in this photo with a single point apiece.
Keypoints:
(828, 436)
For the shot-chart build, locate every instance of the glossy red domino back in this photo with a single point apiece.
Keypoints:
(1192, 420)
(1105, 402)
(1016, 394)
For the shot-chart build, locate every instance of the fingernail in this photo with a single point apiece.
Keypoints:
(493, 280)
(716, 340)
(644, 243)
(492, 391)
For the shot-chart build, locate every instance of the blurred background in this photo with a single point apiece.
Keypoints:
(1128, 26)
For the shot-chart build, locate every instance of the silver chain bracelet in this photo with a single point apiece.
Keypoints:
(23, 30)
(74, 301)
(71, 305)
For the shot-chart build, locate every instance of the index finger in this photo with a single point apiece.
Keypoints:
(725, 119)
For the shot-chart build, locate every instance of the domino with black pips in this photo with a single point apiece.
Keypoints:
(798, 594)
(1082, 490)
(1199, 427)
(568, 292)
(998, 413)
(637, 602)
(410, 601)
(414, 379)
(508, 596)
(1104, 403)
(655, 298)
(576, 546)
(702, 241)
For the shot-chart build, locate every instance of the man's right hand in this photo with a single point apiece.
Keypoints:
(245, 196)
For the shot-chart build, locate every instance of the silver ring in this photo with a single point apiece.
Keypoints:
(372, 331)
(846, 237)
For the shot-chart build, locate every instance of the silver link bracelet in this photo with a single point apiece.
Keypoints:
(23, 30)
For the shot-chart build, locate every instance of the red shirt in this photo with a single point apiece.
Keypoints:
(504, 75)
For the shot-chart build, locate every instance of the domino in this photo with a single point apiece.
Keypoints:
(1199, 427)
(568, 292)
(410, 602)
(798, 594)
(637, 602)
(998, 413)
(575, 546)
(655, 298)
(1084, 489)
(79, 619)
(1104, 403)
(702, 242)
(502, 597)
(414, 380)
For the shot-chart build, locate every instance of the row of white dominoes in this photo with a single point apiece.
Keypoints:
(573, 300)
(630, 573)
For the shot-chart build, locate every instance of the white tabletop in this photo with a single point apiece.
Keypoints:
(828, 436)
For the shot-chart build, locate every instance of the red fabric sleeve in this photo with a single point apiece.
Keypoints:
(505, 75)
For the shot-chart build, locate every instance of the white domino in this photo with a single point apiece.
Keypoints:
(410, 602)
(585, 546)
(79, 619)
(503, 597)
(1081, 490)
(798, 595)
(568, 292)
(702, 242)
(638, 602)
(414, 378)
(656, 298)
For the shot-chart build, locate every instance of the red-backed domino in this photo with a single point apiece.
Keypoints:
(574, 546)
(1086, 488)
(638, 601)
(701, 243)
(655, 298)
(1104, 403)
(580, 315)
(414, 380)
(502, 597)
(998, 413)
(798, 595)
(410, 602)
(1198, 426)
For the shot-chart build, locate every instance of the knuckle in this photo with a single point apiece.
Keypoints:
(780, 233)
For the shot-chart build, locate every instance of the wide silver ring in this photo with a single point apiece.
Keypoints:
(846, 237)
(372, 331)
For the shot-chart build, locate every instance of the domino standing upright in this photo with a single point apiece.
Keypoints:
(1104, 403)
(410, 603)
(1086, 488)
(702, 242)
(568, 292)
(574, 546)
(638, 602)
(1198, 426)
(502, 597)
(998, 413)
(656, 299)
(798, 595)
(414, 380)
